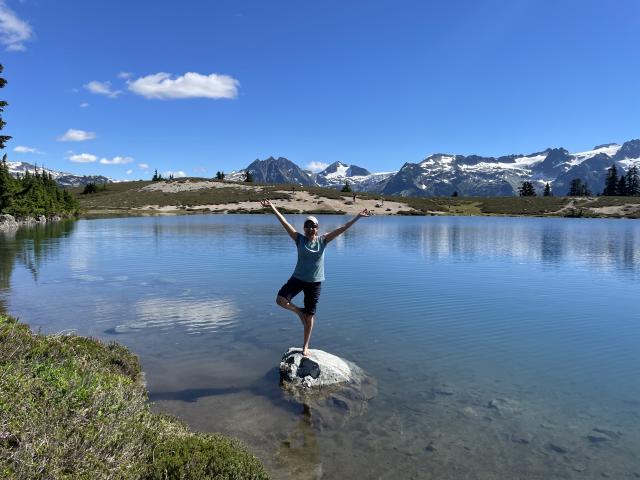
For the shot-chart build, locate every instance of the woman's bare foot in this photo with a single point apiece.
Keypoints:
(306, 352)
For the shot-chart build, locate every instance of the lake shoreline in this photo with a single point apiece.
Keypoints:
(79, 406)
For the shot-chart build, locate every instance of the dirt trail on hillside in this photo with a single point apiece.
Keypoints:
(300, 200)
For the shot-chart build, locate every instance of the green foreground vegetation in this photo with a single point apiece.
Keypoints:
(126, 197)
(74, 408)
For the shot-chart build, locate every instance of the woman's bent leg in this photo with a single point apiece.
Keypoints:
(287, 305)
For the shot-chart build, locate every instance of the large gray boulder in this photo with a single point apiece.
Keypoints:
(319, 369)
(332, 388)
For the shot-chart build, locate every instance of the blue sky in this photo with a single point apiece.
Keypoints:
(121, 88)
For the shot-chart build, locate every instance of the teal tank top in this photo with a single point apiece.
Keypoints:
(310, 265)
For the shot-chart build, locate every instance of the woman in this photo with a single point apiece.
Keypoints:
(309, 272)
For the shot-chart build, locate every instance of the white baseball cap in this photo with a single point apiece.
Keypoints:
(311, 218)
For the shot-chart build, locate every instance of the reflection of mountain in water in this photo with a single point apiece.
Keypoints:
(603, 244)
(29, 246)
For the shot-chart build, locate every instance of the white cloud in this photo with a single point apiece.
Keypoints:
(102, 88)
(73, 135)
(143, 166)
(84, 105)
(116, 160)
(316, 167)
(190, 85)
(179, 173)
(82, 158)
(23, 149)
(125, 75)
(129, 172)
(13, 31)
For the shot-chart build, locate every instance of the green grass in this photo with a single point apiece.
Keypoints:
(127, 195)
(75, 408)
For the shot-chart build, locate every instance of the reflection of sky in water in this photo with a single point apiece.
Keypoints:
(193, 315)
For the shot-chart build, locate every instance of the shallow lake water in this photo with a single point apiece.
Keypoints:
(502, 348)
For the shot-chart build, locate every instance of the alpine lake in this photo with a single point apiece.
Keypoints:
(501, 348)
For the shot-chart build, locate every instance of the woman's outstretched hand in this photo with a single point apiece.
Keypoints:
(266, 203)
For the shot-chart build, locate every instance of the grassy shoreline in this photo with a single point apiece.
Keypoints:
(73, 407)
(135, 198)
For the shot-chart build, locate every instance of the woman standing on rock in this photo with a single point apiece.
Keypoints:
(309, 272)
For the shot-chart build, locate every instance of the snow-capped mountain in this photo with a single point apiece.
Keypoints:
(473, 175)
(63, 179)
(283, 171)
(442, 174)
(360, 179)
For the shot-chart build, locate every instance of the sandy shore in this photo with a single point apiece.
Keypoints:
(301, 201)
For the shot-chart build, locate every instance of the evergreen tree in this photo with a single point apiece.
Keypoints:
(248, 177)
(455, 193)
(547, 190)
(611, 182)
(33, 195)
(633, 182)
(219, 175)
(346, 187)
(527, 190)
(90, 187)
(578, 189)
(3, 138)
(8, 185)
(621, 188)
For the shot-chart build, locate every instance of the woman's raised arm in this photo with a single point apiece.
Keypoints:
(340, 230)
(287, 226)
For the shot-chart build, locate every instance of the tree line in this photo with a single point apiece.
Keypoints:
(33, 194)
(625, 185)
(30, 195)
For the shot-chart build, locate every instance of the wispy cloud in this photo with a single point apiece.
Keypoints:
(116, 160)
(125, 75)
(81, 157)
(316, 167)
(129, 172)
(13, 31)
(23, 149)
(190, 85)
(84, 105)
(73, 135)
(179, 173)
(102, 88)
(143, 166)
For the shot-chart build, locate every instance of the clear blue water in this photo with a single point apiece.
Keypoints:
(498, 344)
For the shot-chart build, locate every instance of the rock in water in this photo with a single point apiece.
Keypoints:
(319, 369)
(331, 389)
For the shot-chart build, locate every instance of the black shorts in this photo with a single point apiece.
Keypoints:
(311, 293)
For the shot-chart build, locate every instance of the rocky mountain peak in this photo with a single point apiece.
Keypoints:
(630, 149)
(605, 145)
